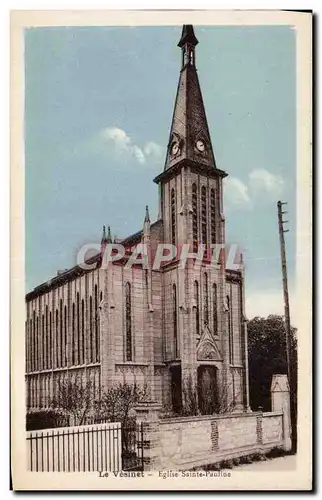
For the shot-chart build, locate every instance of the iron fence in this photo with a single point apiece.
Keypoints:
(75, 449)
(88, 448)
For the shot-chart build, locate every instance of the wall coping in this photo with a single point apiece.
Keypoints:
(272, 414)
(201, 418)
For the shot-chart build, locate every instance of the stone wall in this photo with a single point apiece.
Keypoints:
(187, 442)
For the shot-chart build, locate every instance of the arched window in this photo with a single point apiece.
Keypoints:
(173, 217)
(50, 356)
(205, 299)
(91, 344)
(175, 321)
(30, 346)
(97, 324)
(83, 333)
(47, 338)
(78, 330)
(73, 334)
(230, 333)
(61, 331)
(37, 343)
(214, 309)
(204, 215)
(197, 313)
(57, 338)
(42, 342)
(128, 322)
(213, 215)
(34, 341)
(96, 319)
(194, 217)
(65, 337)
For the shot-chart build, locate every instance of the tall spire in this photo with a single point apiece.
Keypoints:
(189, 134)
(146, 224)
(104, 239)
(109, 236)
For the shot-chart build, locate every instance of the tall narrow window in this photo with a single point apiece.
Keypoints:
(204, 215)
(205, 299)
(91, 354)
(37, 344)
(214, 309)
(194, 217)
(47, 337)
(197, 312)
(73, 334)
(213, 215)
(230, 333)
(97, 319)
(65, 336)
(42, 341)
(34, 342)
(50, 341)
(173, 217)
(175, 321)
(30, 346)
(83, 333)
(78, 331)
(128, 322)
(61, 331)
(57, 337)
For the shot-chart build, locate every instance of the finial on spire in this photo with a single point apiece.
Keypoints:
(188, 36)
(109, 236)
(147, 216)
(104, 239)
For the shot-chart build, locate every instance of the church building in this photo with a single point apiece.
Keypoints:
(179, 330)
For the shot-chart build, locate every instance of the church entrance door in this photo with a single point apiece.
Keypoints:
(207, 389)
(176, 388)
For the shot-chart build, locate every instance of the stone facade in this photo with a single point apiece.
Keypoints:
(174, 329)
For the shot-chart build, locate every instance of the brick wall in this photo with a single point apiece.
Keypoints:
(183, 443)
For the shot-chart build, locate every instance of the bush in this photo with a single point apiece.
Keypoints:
(45, 419)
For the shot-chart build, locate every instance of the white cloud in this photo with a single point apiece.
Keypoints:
(263, 182)
(236, 192)
(138, 154)
(153, 149)
(123, 145)
(262, 186)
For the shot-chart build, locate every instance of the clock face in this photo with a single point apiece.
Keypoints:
(200, 145)
(175, 148)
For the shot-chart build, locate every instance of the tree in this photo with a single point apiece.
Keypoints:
(267, 356)
(117, 402)
(74, 399)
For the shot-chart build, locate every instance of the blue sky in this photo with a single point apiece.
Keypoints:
(98, 110)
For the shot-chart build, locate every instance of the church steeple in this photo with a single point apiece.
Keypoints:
(189, 135)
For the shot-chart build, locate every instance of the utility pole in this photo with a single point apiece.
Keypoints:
(281, 231)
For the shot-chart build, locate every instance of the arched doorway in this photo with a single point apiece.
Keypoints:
(207, 389)
(176, 388)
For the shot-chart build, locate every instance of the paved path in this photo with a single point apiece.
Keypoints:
(274, 464)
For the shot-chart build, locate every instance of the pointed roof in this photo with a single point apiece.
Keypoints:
(188, 36)
(207, 347)
(189, 140)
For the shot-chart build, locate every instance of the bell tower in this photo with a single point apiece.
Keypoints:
(190, 165)
(191, 209)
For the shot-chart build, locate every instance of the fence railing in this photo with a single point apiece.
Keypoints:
(74, 449)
